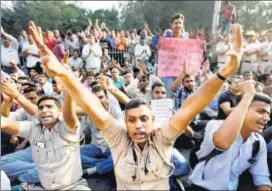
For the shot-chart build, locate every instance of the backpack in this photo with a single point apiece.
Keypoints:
(193, 159)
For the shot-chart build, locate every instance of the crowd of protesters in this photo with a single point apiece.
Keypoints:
(78, 103)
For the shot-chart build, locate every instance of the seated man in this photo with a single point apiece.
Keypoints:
(20, 164)
(54, 143)
(96, 157)
(228, 147)
(228, 99)
(141, 154)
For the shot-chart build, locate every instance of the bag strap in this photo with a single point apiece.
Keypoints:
(207, 158)
(212, 154)
(256, 148)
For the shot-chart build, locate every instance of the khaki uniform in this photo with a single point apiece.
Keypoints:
(56, 154)
(266, 63)
(134, 169)
(250, 62)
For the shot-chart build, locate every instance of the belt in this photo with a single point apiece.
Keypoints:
(247, 61)
(265, 60)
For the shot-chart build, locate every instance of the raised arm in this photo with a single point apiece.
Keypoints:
(69, 112)
(82, 96)
(204, 95)
(14, 42)
(6, 104)
(106, 84)
(69, 106)
(9, 126)
(10, 89)
(179, 79)
(231, 127)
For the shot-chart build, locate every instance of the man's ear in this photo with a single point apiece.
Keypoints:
(153, 117)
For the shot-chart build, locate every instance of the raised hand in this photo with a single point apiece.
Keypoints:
(185, 67)
(2, 30)
(96, 22)
(49, 61)
(206, 66)
(233, 62)
(247, 87)
(65, 60)
(6, 97)
(90, 22)
(10, 88)
(106, 83)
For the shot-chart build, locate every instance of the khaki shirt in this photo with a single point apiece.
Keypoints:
(56, 153)
(250, 47)
(134, 169)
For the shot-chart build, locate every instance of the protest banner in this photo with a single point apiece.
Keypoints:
(162, 110)
(173, 51)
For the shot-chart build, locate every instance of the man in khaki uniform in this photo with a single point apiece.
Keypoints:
(250, 56)
(54, 143)
(141, 155)
(266, 54)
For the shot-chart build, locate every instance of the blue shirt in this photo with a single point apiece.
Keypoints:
(111, 43)
(222, 171)
(155, 41)
(119, 83)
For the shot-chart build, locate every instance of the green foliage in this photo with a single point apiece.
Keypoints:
(131, 14)
(53, 15)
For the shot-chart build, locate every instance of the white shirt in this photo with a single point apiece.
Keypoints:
(97, 138)
(5, 182)
(220, 47)
(48, 89)
(142, 52)
(92, 58)
(9, 53)
(76, 63)
(222, 171)
(21, 115)
(31, 61)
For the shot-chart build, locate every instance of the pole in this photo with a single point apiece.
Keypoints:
(217, 6)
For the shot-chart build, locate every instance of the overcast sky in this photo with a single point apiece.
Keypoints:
(93, 5)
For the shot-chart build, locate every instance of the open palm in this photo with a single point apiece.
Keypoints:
(49, 61)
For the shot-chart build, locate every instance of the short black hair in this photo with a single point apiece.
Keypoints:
(29, 85)
(232, 78)
(97, 74)
(23, 78)
(177, 16)
(39, 92)
(126, 72)
(258, 97)
(186, 76)
(262, 97)
(98, 89)
(94, 83)
(44, 98)
(247, 72)
(157, 84)
(136, 103)
(43, 74)
(144, 77)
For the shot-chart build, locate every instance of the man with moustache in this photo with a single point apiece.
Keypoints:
(141, 155)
